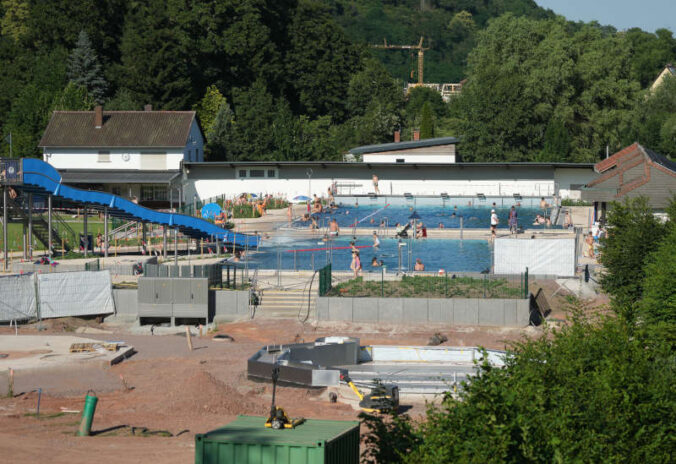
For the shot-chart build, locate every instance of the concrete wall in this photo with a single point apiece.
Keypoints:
(125, 300)
(457, 311)
(120, 158)
(231, 305)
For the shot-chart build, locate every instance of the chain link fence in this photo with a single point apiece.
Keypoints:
(429, 285)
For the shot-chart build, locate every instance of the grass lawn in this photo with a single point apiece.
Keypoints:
(431, 287)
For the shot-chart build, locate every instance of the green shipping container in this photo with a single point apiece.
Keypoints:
(246, 440)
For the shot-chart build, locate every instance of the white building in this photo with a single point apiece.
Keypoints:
(288, 179)
(438, 150)
(136, 154)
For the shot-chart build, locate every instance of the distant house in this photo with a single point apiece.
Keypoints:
(632, 172)
(669, 70)
(136, 154)
(438, 150)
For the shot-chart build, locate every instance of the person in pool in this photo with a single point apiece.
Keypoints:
(376, 240)
(333, 227)
(419, 266)
(376, 263)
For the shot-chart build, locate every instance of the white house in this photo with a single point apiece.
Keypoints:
(668, 71)
(136, 154)
(439, 150)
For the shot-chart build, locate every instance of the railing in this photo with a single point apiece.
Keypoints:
(11, 171)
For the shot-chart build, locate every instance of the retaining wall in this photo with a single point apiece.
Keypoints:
(231, 305)
(460, 311)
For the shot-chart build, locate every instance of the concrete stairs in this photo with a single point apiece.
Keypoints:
(285, 304)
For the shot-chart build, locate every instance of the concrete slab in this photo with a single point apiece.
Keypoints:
(322, 309)
(491, 312)
(415, 310)
(440, 310)
(390, 309)
(340, 309)
(49, 351)
(365, 309)
(466, 311)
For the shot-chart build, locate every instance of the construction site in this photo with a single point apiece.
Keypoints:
(172, 338)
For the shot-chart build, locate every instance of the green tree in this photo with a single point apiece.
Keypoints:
(556, 143)
(633, 233)
(658, 304)
(426, 122)
(209, 106)
(220, 134)
(74, 97)
(13, 22)
(123, 101)
(85, 70)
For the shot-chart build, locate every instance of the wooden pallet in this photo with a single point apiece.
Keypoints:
(88, 347)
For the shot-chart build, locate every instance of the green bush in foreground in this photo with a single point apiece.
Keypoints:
(591, 392)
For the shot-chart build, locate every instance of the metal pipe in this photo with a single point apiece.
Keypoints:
(164, 242)
(175, 247)
(30, 226)
(86, 235)
(105, 231)
(50, 245)
(5, 248)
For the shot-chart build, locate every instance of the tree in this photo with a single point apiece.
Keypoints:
(13, 23)
(633, 233)
(74, 97)
(209, 106)
(556, 143)
(220, 134)
(593, 391)
(426, 122)
(85, 70)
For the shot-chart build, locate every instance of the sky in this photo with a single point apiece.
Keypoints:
(649, 15)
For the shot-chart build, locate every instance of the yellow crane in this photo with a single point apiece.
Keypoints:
(419, 47)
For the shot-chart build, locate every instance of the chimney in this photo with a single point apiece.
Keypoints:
(148, 108)
(416, 135)
(98, 116)
(397, 137)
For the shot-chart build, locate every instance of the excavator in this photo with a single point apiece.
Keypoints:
(382, 398)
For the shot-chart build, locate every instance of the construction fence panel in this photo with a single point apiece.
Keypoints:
(554, 257)
(75, 294)
(18, 300)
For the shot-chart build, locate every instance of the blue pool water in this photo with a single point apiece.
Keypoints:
(450, 255)
(370, 212)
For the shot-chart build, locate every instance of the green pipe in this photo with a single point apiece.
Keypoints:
(88, 414)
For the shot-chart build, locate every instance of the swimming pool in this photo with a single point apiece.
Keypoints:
(307, 254)
(433, 212)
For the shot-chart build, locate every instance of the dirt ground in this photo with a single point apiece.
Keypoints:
(170, 390)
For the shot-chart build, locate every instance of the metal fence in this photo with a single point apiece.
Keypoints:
(429, 285)
(325, 280)
(213, 272)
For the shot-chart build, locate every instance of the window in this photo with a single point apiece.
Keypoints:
(401, 160)
(154, 193)
(270, 173)
(104, 157)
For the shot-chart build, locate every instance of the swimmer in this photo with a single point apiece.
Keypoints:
(419, 266)
(376, 263)
(376, 240)
(441, 225)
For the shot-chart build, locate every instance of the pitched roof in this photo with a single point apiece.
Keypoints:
(403, 145)
(661, 159)
(631, 152)
(120, 129)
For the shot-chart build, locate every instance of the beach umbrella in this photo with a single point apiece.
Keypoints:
(414, 215)
(210, 210)
(300, 199)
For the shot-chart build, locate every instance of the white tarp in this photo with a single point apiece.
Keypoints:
(17, 298)
(75, 294)
(541, 256)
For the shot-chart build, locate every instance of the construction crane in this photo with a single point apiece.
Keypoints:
(419, 47)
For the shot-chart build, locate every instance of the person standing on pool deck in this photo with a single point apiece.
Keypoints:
(512, 220)
(355, 265)
(375, 184)
(376, 240)
(494, 224)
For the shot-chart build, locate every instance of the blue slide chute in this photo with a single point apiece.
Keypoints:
(43, 178)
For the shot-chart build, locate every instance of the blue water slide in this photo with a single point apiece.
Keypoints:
(43, 178)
